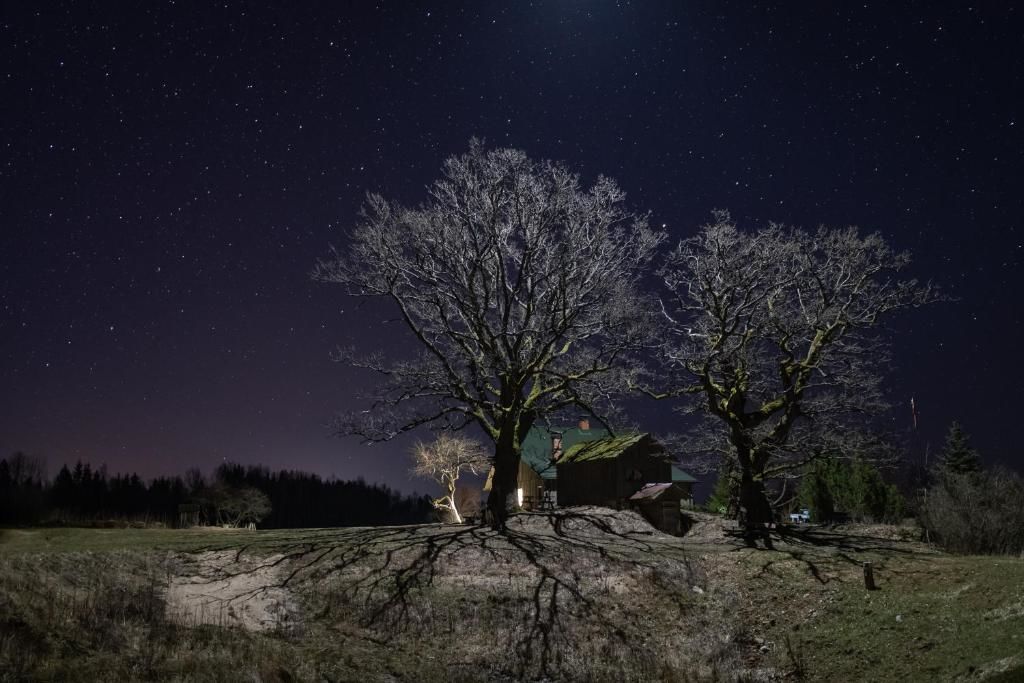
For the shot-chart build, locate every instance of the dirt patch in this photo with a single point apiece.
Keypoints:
(584, 520)
(1011, 611)
(221, 589)
(705, 527)
(998, 668)
(890, 532)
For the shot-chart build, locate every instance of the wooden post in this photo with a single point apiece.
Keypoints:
(869, 576)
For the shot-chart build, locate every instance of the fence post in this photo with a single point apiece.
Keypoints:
(869, 576)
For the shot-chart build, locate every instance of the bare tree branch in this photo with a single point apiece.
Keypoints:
(520, 287)
(779, 331)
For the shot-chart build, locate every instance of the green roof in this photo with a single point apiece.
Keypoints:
(679, 475)
(580, 446)
(609, 447)
(536, 449)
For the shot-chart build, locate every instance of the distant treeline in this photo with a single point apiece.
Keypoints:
(84, 495)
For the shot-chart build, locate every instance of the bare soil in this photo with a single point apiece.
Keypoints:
(223, 589)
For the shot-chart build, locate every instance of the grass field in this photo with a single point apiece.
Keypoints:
(581, 595)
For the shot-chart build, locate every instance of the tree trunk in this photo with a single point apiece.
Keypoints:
(755, 511)
(456, 517)
(506, 474)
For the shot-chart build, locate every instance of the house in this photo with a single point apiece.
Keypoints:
(583, 466)
(537, 475)
(632, 471)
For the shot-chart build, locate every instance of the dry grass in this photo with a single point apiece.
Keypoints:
(587, 595)
(101, 616)
(555, 597)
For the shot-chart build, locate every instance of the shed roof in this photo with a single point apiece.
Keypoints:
(613, 447)
(608, 447)
(651, 491)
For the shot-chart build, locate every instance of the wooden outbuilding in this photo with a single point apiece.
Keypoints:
(188, 515)
(608, 471)
(660, 504)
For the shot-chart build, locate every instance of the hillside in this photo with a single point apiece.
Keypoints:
(584, 594)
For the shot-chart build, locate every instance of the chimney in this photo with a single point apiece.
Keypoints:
(556, 446)
(584, 424)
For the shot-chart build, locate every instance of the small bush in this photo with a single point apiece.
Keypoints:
(976, 513)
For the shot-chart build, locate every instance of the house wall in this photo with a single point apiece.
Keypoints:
(663, 512)
(587, 483)
(607, 481)
(527, 479)
(653, 470)
(531, 483)
(687, 489)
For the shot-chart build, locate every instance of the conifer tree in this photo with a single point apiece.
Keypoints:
(957, 455)
(725, 490)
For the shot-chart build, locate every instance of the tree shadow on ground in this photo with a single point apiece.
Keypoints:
(546, 574)
(825, 551)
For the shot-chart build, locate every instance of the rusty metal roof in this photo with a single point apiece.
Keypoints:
(651, 491)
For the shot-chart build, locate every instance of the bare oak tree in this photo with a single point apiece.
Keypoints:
(444, 461)
(777, 332)
(238, 505)
(519, 287)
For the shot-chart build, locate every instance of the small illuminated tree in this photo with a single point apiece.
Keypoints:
(444, 461)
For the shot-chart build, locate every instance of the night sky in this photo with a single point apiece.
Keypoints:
(171, 171)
